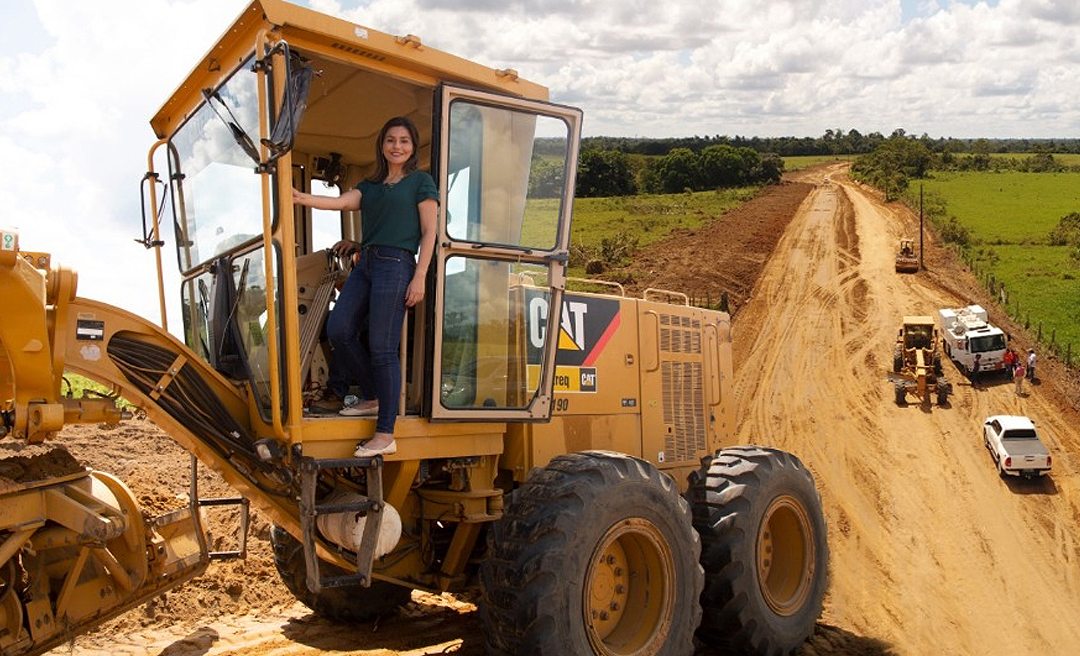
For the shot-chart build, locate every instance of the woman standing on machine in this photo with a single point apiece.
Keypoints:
(398, 205)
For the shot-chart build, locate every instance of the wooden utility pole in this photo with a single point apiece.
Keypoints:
(921, 265)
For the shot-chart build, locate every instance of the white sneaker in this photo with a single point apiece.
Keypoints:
(364, 452)
(361, 409)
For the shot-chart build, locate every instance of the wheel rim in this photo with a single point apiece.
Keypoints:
(785, 556)
(629, 590)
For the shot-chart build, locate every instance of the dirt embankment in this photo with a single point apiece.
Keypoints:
(725, 256)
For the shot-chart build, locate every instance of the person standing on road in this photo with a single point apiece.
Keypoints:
(1031, 365)
(975, 370)
(1018, 378)
(1010, 359)
(398, 205)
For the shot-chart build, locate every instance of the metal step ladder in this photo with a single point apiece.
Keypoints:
(370, 506)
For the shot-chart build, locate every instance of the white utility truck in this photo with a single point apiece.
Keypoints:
(1015, 446)
(966, 332)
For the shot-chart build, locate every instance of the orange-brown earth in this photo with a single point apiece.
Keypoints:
(931, 551)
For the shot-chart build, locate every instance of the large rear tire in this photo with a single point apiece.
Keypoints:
(595, 555)
(348, 605)
(764, 550)
(897, 359)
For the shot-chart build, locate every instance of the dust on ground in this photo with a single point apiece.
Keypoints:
(932, 553)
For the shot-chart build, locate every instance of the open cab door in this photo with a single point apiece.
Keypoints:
(506, 169)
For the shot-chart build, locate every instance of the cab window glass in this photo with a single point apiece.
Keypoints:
(506, 176)
(493, 321)
(218, 202)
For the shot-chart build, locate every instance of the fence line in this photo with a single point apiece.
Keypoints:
(997, 290)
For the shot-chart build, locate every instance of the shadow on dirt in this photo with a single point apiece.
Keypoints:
(427, 629)
(828, 640)
(1041, 485)
(834, 641)
(196, 643)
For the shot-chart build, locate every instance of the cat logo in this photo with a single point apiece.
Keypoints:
(571, 327)
(585, 326)
(588, 379)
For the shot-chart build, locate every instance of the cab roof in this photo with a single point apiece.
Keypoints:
(403, 57)
(1010, 422)
(918, 321)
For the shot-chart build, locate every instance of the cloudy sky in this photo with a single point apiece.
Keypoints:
(79, 82)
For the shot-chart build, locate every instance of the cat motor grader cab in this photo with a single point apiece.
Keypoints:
(917, 362)
(563, 451)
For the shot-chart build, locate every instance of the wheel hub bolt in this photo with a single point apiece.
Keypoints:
(603, 615)
(614, 605)
(620, 589)
(618, 571)
(610, 560)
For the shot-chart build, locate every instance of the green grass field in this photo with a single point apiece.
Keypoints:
(649, 217)
(1008, 207)
(1065, 159)
(645, 217)
(79, 385)
(1043, 283)
(1010, 215)
(796, 162)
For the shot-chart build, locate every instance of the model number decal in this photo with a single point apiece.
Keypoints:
(567, 379)
(93, 331)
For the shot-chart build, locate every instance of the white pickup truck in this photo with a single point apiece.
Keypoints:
(1015, 446)
(967, 332)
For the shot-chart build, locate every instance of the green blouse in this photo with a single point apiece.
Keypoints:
(388, 213)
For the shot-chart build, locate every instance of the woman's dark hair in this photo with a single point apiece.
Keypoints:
(382, 168)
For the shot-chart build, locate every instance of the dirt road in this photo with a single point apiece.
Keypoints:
(931, 551)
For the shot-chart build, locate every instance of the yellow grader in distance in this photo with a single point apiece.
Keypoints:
(567, 453)
(906, 259)
(917, 362)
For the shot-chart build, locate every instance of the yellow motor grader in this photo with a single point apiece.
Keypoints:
(917, 362)
(567, 453)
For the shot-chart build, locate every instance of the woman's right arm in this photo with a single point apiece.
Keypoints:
(348, 201)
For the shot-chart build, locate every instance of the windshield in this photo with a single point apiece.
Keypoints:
(1020, 434)
(987, 343)
(918, 336)
(218, 202)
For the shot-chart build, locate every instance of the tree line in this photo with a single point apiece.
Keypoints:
(832, 142)
(899, 159)
(619, 166)
(615, 173)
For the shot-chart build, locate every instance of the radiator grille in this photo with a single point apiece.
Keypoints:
(683, 387)
(679, 334)
(684, 410)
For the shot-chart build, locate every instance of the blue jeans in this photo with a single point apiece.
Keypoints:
(364, 329)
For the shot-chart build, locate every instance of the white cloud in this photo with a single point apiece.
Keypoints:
(79, 81)
(75, 147)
